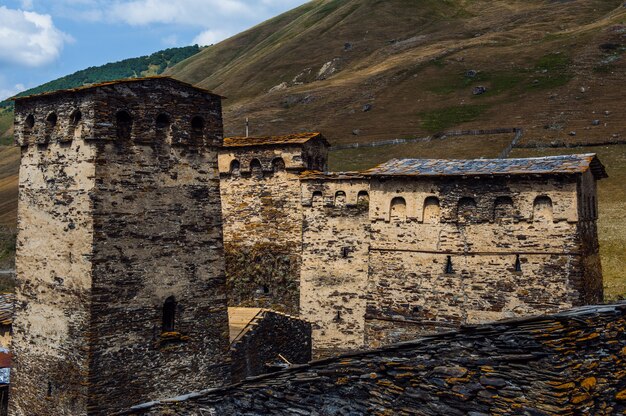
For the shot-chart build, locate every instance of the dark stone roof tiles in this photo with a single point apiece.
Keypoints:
(566, 164)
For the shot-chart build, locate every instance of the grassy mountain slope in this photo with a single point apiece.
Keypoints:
(365, 70)
(408, 60)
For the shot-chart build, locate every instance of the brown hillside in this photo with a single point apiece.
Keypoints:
(552, 67)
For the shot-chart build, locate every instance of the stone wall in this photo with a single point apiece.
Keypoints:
(262, 212)
(120, 257)
(447, 252)
(54, 279)
(335, 241)
(565, 364)
(269, 340)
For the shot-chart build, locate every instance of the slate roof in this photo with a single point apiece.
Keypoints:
(567, 164)
(119, 81)
(297, 138)
(338, 176)
(7, 302)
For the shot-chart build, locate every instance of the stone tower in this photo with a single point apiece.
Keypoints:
(121, 288)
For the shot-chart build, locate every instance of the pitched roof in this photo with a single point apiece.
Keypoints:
(7, 302)
(297, 138)
(115, 82)
(567, 164)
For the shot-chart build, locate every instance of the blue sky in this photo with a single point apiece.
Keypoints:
(41, 40)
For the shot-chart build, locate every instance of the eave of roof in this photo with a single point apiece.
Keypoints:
(310, 175)
(549, 165)
(297, 138)
(115, 82)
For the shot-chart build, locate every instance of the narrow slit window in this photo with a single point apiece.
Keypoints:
(345, 252)
(518, 264)
(169, 314)
(449, 269)
(337, 317)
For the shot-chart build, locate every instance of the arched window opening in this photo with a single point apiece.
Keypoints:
(278, 165)
(29, 123)
(265, 289)
(340, 199)
(162, 121)
(197, 129)
(542, 209)
(49, 391)
(317, 200)
(169, 315)
(256, 168)
(235, 167)
(75, 118)
(449, 269)
(397, 211)
(124, 124)
(432, 210)
(503, 208)
(363, 198)
(518, 264)
(51, 122)
(466, 209)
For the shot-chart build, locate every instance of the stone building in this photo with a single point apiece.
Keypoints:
(263, 216)
(416, 246)
(138, 225)
(121, 292)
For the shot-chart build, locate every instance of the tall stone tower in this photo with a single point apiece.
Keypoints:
(121, 288)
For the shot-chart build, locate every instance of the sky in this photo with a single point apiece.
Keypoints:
(41, 40)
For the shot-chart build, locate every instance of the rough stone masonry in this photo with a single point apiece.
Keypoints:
(120, 264)
(570, 363)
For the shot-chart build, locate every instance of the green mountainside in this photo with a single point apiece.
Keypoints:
(147, 65)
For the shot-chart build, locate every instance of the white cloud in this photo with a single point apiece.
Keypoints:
(196, 13)
(27, 4)
(210, 37)
(29, 38)
(191, 12)
(11, 91)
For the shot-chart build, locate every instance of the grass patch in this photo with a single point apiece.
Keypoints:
(441, 119)
(553, 71)
(496, 82)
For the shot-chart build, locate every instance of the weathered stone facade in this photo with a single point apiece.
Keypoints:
(566, 364)
(263, 216)
(270, 341)
(430, 252)
(507, 259)
(335, 241)
(120, 264)
(447, 248)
